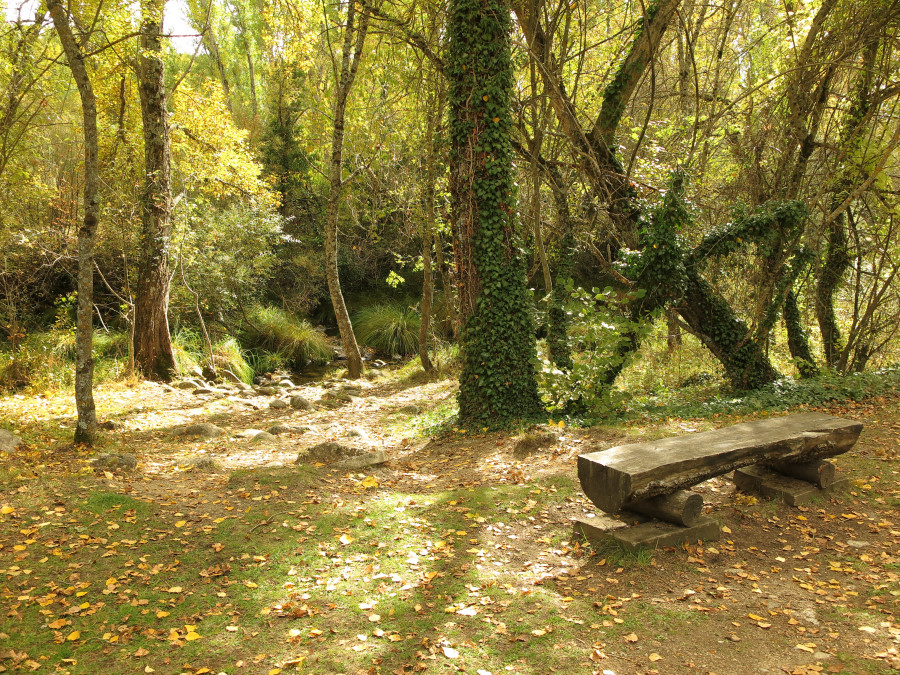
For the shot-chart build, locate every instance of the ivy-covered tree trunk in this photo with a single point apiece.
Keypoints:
(497, 383)
(84, 333)
(152, 342)
(724, 334)
(798, 344)
(433, 114)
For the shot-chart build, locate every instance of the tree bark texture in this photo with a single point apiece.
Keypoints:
(428, 238)
(152, 342)
(798, 343)
(84, 362)
(351, 54)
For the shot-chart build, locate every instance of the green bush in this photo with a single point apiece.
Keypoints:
(187, 350)
(292, 340)
(388, 328)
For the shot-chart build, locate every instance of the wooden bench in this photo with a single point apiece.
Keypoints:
(779, 456)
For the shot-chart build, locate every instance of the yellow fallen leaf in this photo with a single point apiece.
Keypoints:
(143, 652)
(181, 523)
(59, 623)
(631, 637)
(539, 632)
(369, 482)
(655, 657)
(374, 618)
(274, 671)
(192, 636)
(6, 510)
(251, 584)
(346, 539)
(74, 635)
(173, 634)
(755, 617)
(161, 614)
(175, 589)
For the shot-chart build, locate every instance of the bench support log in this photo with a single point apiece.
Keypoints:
(820, 473)
(761, 481)
(682, 507)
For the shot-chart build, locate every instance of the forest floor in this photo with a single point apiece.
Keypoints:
(457, 554)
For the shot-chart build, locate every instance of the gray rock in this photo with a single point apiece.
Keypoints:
(822, 656)
(338, 396)
(197, 372)
(204, 390)
(853, 543)
(808, 616)
(243, 386)
(246, 402)
(111, 461)
(352, 391)
(203, 430)
(410, 410)
(328, 452)
(531, 443)
(266, 391)
(263, 437)
(279, 429)
(186, 384)
(168, 388)
(301, 403)
(278, 404)
(286, 384)
(368, 459)
(229, 376)
(9, 442)
(202, 463)
(357, 433)
(248, 433)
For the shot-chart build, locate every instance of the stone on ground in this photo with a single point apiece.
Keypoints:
(409, 410)
(362, 461)
(301, 403)
(248, 433)
(328, 452)
(280, 429)
(110, 461)
(9, 442)
(532, 442)
(203, 430)
(263, 437)
(201, 463)
(278, 404)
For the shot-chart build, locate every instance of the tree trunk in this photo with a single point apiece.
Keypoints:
(727, 337)
(446, 283)
(152, 342)
(428, 239)
(84, 335)
(349, 65)
(497, 383)
(798, 344)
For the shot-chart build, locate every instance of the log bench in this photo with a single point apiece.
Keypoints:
(784, 457)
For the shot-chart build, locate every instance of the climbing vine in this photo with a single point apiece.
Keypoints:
(497, 383)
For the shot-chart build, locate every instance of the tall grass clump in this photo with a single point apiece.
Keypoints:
(295, 342)
(228, 355)
(187, 350)
(388, 328)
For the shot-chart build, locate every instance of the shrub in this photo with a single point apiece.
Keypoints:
(186, 350)
(388, 328)
(293, 340)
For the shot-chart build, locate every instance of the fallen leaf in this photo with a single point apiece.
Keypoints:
(74, 635)
(450, 653)
(655, 657)
(631, 637)
(141, 652)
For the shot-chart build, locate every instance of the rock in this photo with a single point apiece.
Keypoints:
(853, 543)
(808, 616)
(352, 391)
(822, 656)
(108, 425)
(110, 461)
(357, 433)
(243, 386)
(279, 429)
(229, 376)
(202, 463)
(9, 442)
(245, 401)
(263, 437)
(266, 391)
(204, 390)
(286, 384)
(278, 404)
(410, 410)
(338, 396)
(531, 443)
(186, 384)
(362, 461)
(301, 403)
(248, 433)
(328, 452)
(197, 372)
(203, 430)
(168, 388)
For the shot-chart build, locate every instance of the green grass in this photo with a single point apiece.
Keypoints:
(292, 340)
(388, 328)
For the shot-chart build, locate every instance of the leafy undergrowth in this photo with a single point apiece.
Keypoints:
(455, 556)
